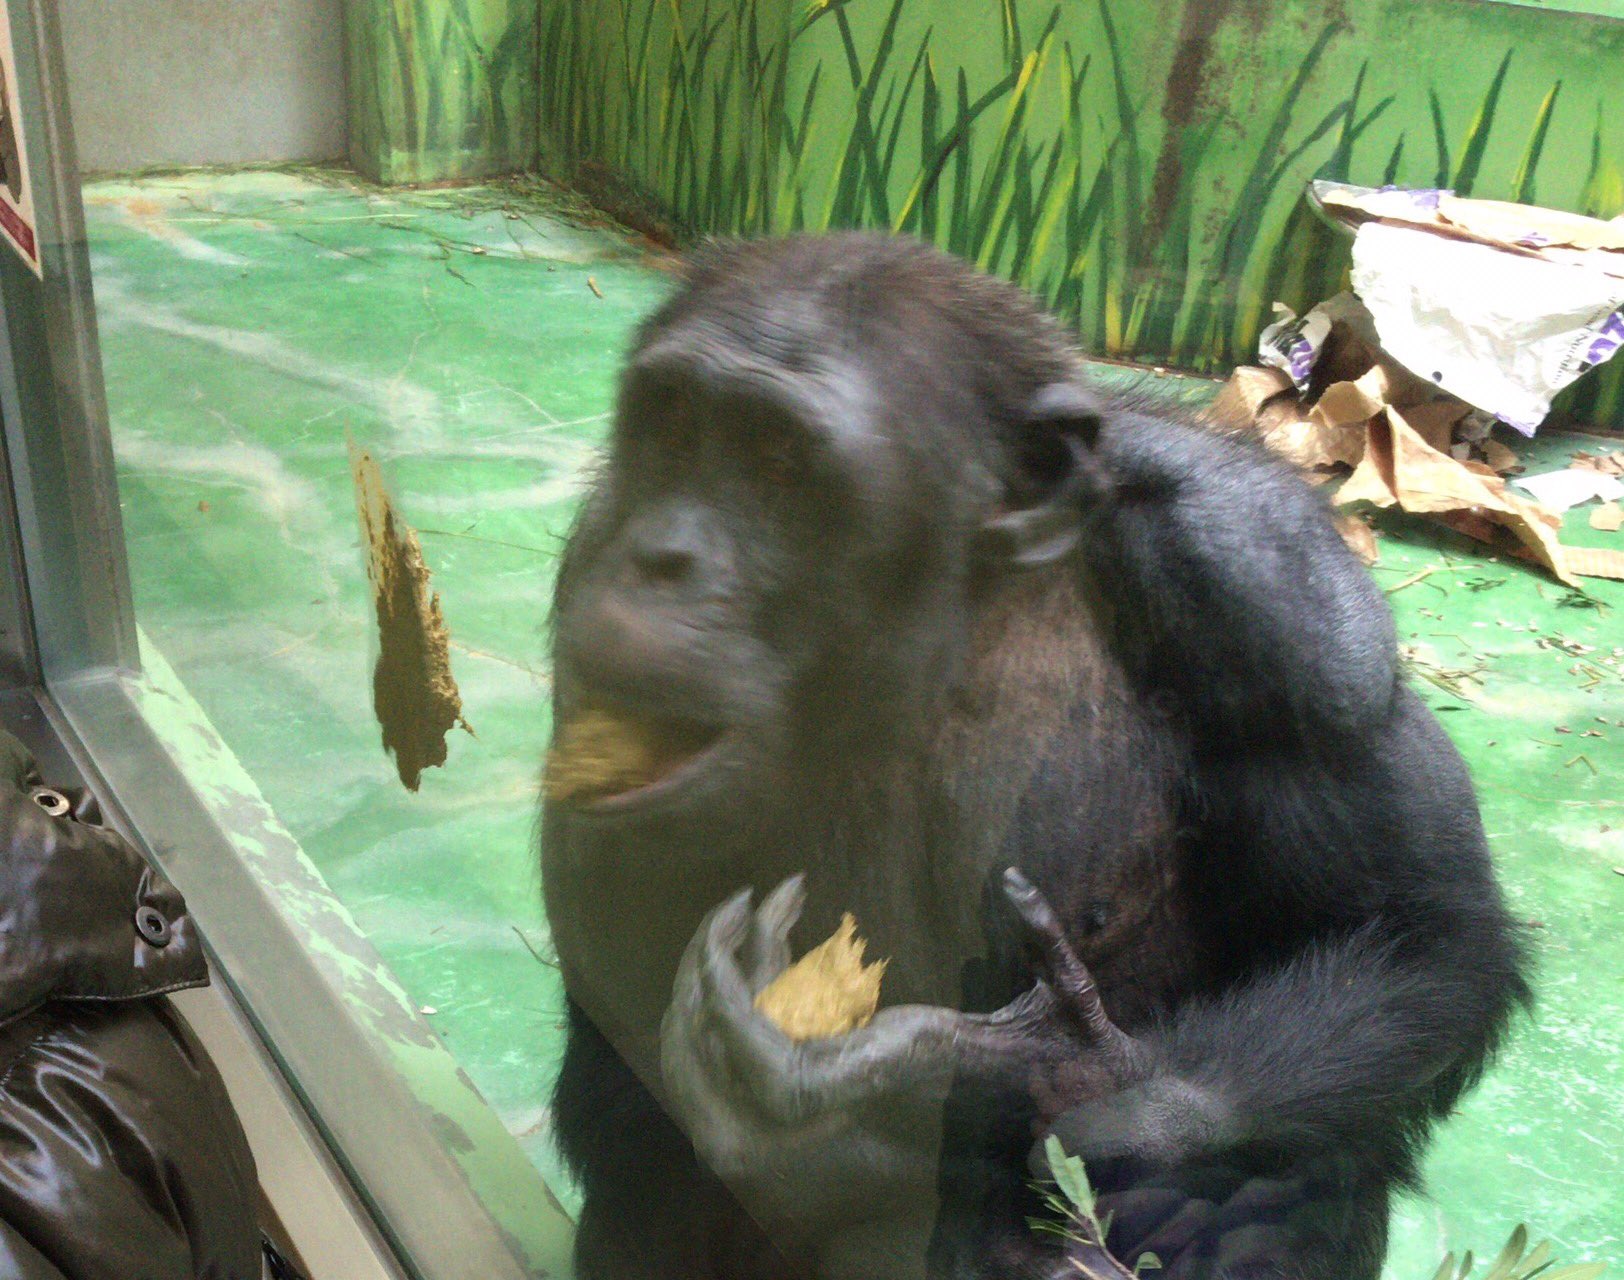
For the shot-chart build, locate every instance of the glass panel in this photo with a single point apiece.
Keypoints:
(254, 326)
(274, 323)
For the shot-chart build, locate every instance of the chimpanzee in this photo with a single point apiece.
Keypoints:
(1086, 713)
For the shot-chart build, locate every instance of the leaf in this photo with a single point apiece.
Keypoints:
(1439, 139)
(902, 103)
(923, 213)
(1012, 32)
(1536, 1261)
(1390, 173)
(1070, 1176)
(955, 145)
(1515, 1247)
(866, 86)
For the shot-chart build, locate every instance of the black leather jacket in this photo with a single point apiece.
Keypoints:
(120, 1155)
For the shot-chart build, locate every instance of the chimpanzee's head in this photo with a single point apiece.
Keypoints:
(826, 450)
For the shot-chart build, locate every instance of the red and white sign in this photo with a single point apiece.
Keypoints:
(16, 191)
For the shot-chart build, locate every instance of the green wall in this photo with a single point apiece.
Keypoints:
(679, 102)
(1611, 8)
(440, 90)
(1140, 166)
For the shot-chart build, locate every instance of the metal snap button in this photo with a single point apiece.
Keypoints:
(53, 802)
(153, 928)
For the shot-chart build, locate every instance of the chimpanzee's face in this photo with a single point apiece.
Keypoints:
(752, 536)
(778, 553)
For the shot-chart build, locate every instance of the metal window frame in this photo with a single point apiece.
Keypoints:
(443, 1182)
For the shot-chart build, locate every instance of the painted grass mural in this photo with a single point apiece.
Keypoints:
(682, 99)
(1152, 195)
(440, 90)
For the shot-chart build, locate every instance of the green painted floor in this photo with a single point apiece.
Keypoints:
(250, 322)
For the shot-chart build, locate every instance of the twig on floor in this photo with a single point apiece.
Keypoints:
(540, 959)
(495, 542)
(1420, 576)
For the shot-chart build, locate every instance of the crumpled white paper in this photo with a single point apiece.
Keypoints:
(1500, 331)
(1560, 490)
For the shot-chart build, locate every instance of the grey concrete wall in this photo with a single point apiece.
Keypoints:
(158, 82)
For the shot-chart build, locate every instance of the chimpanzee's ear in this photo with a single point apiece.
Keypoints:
(1054, 473)
(1069, 410)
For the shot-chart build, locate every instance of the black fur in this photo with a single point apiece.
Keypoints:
(860, 512)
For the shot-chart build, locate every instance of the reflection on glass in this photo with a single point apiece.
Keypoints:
(856, 616)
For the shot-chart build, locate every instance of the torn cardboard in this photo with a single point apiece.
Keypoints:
(1264, 402)
(1531, 227)
(1359, 536)
(1608, 518)
(1404, 460)
(1348, 383)
(1503, 460)
(1401, 469)
(1609, 464)
(1522, 229)
(1408, 445)
(414, 694)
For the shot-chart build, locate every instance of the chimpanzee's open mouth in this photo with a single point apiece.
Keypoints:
(608, 759)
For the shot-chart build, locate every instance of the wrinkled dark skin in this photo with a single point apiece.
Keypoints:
(1094, 723)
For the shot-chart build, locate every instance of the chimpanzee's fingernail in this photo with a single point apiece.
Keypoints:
(733, 915)
(1016, 883)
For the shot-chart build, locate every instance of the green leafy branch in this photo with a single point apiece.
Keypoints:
(1073, 1215)
(1517, 1262)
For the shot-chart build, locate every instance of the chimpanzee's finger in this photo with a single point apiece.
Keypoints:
(767, 954)
(725, 931)
(1073, 984)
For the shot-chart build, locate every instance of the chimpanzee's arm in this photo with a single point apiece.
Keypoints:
(1224, 580)
(1351, 1046)
(1368, 969)
(1375, 963)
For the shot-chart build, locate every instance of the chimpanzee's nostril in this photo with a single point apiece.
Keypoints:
(671, 548)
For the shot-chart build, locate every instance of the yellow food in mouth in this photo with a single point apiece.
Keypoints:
(827, 992)
(598, 753)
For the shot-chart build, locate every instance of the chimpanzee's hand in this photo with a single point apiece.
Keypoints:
(816, 1138)
(1109, 1096)
(819, 1134)
(1077, 1052)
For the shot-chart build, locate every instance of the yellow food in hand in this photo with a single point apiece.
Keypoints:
(827, 992)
